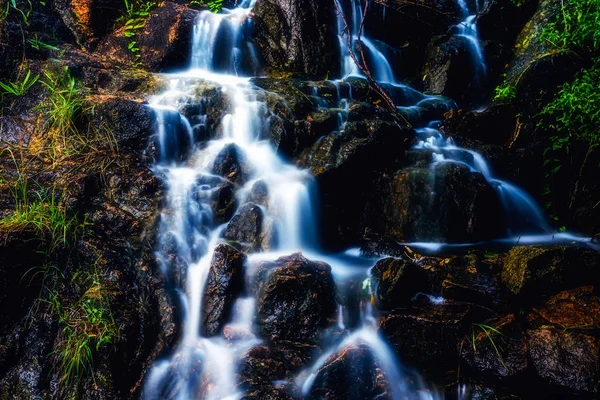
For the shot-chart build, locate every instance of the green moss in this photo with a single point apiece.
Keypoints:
(505, 92)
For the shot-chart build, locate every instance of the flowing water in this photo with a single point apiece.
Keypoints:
(223, 58)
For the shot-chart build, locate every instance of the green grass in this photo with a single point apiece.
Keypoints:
(63, 103)
(18, 88)
(85, 326)
(487, 330)
(45, 215)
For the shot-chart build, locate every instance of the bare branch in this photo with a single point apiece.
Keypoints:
(362, 66)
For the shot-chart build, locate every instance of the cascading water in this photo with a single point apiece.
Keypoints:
(381, 69)
(204, 367)
(467, 29)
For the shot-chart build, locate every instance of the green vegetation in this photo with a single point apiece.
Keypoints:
(66, 134)
(24, 13)
(505, 92)
(576, 29)
(573, 119)
(487, 330)
(215, 6)
(134, 19)
(86, 325)
(573, 116)
(19, 88)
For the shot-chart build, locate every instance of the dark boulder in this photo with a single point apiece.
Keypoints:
(496, 348)
(249, 228)
(297, 299)
(231, 163)
(297, 36)
(427, 335)
(447, 203)
(89, 20)
(351, 373)
(276, 361)
(397, 281)
(563, 340)
(224, 283)
(533, 273)
(259, 193)
(219, 194)
(135, 121)
(164, 41)
(346, 170)
(451, 69)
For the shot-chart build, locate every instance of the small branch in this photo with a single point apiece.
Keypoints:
(362, 66)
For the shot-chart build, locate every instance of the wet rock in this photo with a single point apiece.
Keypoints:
(219, 194)
(224, 283)
(164, 42)
(89, 20)
(413, 25)
(231, 163)
(447, 203)
(351, 373)
(297, 36)
(223, 203)
(260, 193)
(276, 361)
(563, 340)
(135, 121)
(296, 300)
(473, 282)
(346, 172)
(426, 335)
(450, 69)
(249, 228)
(535, 272)
(262, 390)
(576, 308)
(397, 281)
(496, 347)
(567, 359)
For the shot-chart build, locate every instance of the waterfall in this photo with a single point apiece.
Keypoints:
(203, 366)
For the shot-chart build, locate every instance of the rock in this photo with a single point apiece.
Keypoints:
(451, 70)
(135, 121)
(576, 308)
(474, 283)
(223, 203)
(297, 299)
(563, 340)
(224, 283)
(231, 163)
(297, 36)
(498, 25)
(533, 273)
(351, 373)
(163, 43)
(260, 193)
(275, 361)
(346, 172)
(427, 335)
(249, 228)
(496, 347)
(414, 25)
(219, 194)
(89, 20)
(397, 281)
(568, 359)
(447, 203)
